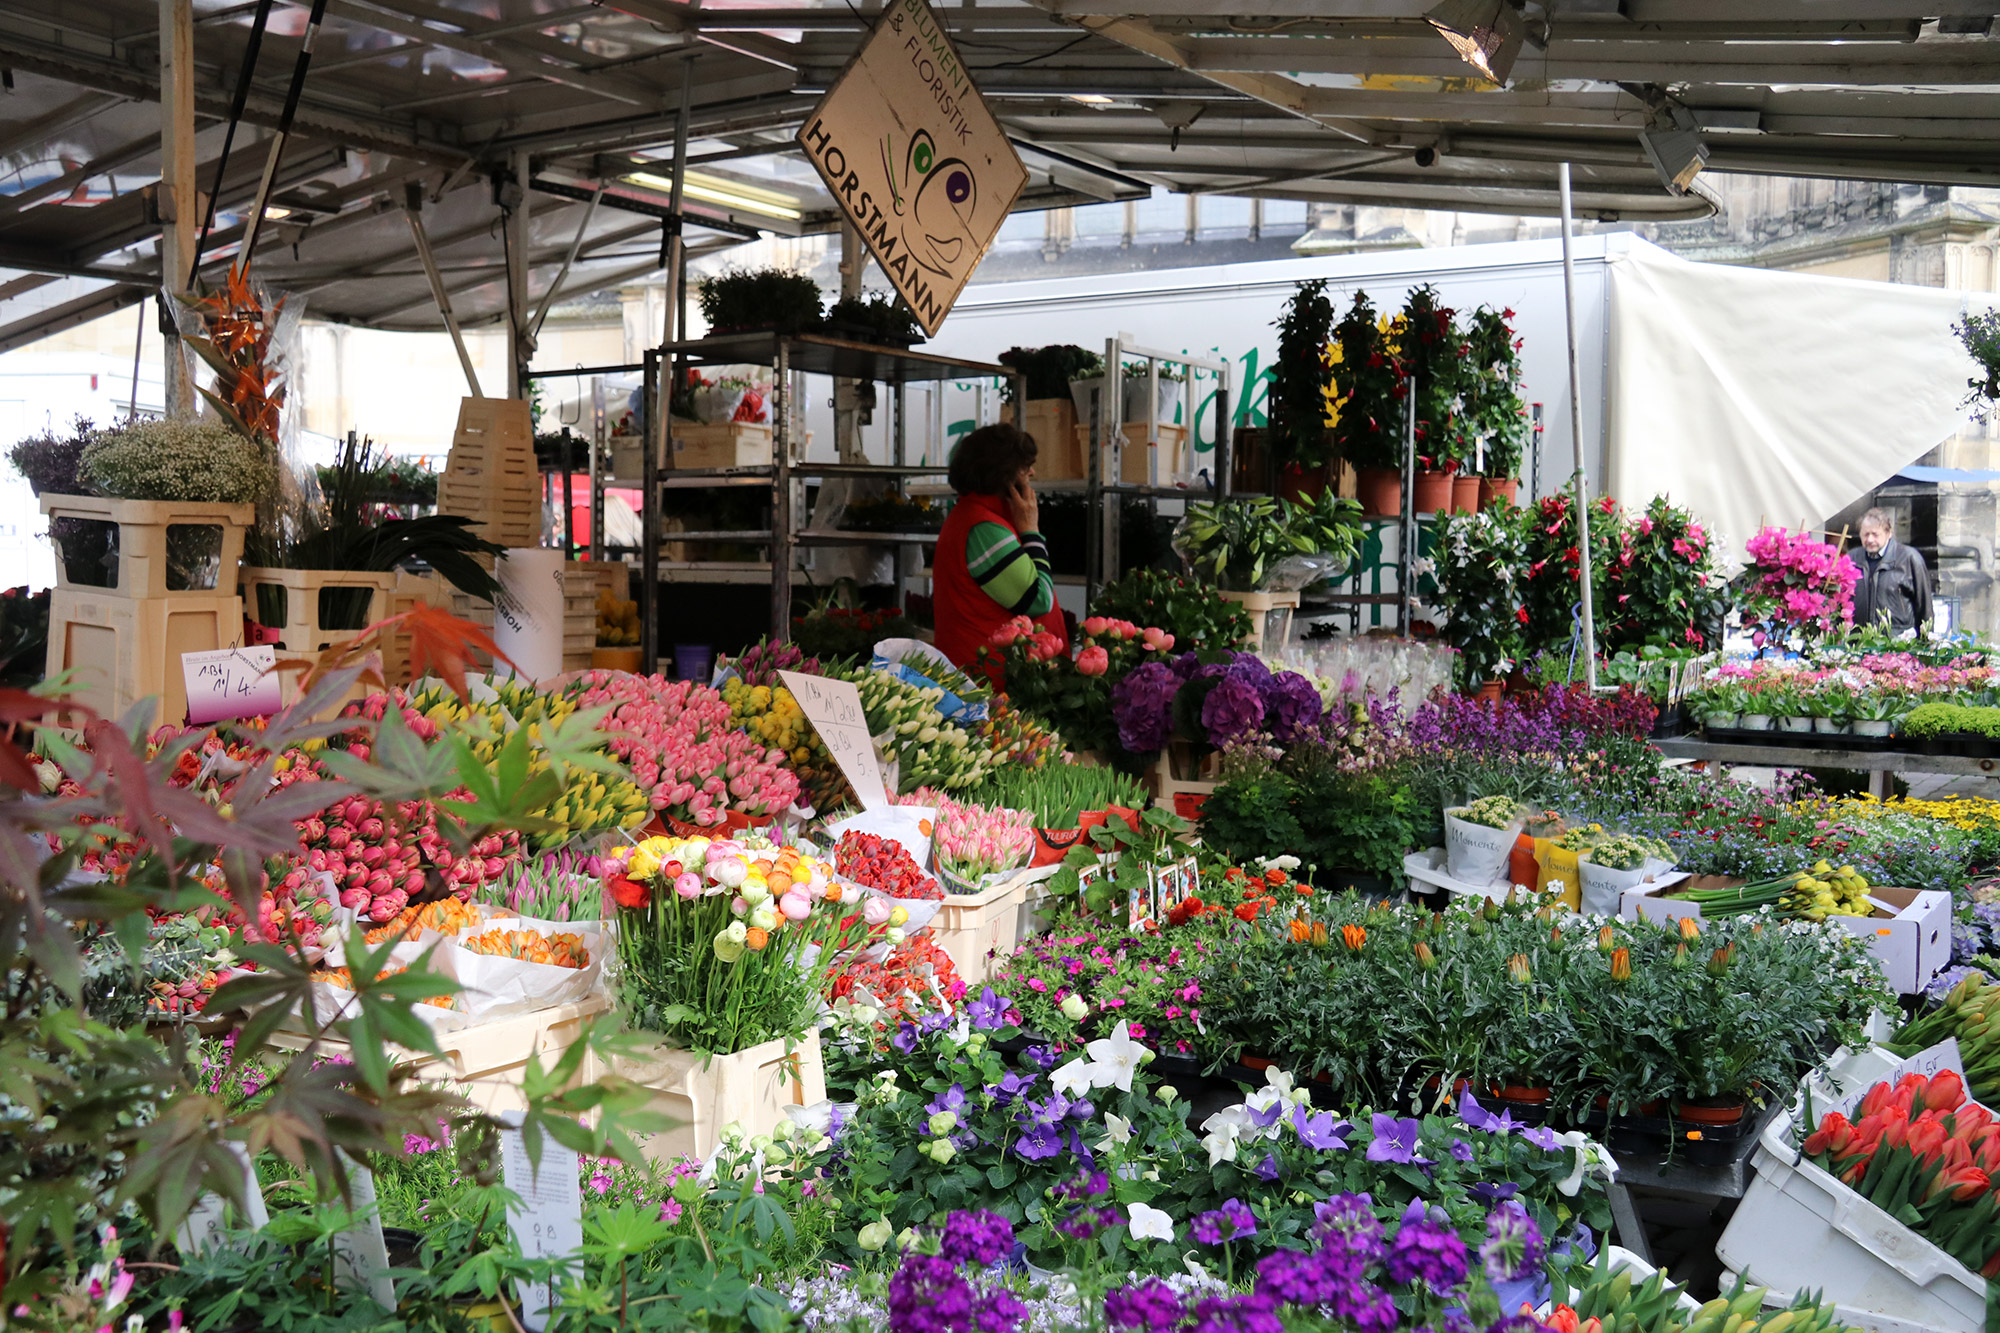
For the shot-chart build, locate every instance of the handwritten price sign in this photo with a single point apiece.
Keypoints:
(231, 682)
(834, 709)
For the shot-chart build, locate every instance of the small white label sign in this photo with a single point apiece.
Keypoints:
(231, 682)
(834, 709)
(549, 1223)
(206, 1220)
(362, 1253)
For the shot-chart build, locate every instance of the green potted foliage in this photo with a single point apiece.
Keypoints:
(1368, 388)
(1050, 370)
(1297, 397)
(874, 318)
(1261, 543)
(1193, 612)
(771, 299)
(1875, 710)
(1435, 359)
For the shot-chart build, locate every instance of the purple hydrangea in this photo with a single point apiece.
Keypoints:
(1232, 1221)
(1234, 709)
(1513, 1245)
(927, 1295)
(1142, 704)
(1149, 1304)
(979, 1237)
(1292, 707)
(1429, 1252)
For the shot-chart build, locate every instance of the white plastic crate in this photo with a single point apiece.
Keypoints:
(972, 927)
(1799, 1229)
(1619, 1259)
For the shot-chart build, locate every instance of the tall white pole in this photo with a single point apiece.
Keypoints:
(1582, 475)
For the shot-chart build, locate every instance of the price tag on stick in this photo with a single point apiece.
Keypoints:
(834, 709)
(204, 1224)
(549, 1222)
(231, 682)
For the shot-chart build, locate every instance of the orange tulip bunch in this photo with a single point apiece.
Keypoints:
(562, 949)
(1927, 1156)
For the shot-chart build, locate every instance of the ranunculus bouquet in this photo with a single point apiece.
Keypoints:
(1928, 1157)
(1074, 693)
(677, 739)
(719, 938)
(1798, 582)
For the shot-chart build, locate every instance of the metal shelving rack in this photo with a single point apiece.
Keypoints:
(809, 353)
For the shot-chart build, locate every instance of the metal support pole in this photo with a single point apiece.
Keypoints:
(247, 250)
(520, 344)
(782, 544)
(672, 330)
(847, 445)
(1224, 446)
(597, 415)
(138, 348)
(178, 207)
(1582, 475)
(576, 244)
(413, 198)
(654, 404)
(1406, 542)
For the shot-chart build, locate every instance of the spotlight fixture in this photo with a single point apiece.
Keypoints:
(273, 213)
(1487, 34)
(1091, 99)
(1674, 146)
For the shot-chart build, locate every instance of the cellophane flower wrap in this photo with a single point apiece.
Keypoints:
(721, 940)
(1075, 692)
(1799, 582)
(971, 841)
(677, 739)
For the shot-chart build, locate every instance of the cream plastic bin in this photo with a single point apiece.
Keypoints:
(1798, 1229)
(751, 1088)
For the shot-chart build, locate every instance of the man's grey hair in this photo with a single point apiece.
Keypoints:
(1879, 517)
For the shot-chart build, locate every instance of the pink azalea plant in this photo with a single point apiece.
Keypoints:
(677, 740)
(1800, 582)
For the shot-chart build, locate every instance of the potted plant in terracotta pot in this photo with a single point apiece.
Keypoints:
(1496, 416)
(1368, 390)
(1297, 399)
(1434, 357)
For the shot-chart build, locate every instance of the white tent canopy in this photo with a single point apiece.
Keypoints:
(1756, 397)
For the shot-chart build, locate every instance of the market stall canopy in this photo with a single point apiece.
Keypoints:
(1360, 103)
(1758, 397)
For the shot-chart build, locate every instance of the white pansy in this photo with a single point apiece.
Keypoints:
(1150, 1223)
(1117, 1057)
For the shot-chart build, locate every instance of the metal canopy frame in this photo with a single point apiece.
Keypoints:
(1352, 102)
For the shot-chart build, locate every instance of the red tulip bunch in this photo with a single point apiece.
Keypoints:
(1928, 1157)
(881, 864)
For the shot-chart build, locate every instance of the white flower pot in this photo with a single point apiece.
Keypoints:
(1872, 727)
(1721, 721)
(1795, 724)
(1828, 726)
(1754, 721)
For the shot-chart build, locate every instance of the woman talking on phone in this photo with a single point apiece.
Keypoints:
(992, 564)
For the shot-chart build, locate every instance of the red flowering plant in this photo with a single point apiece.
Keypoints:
(1369, 383)
(1436, 355)
(1796, 584)
(1073, 693)
(1551, 586)
(1926, 1155)
(915, 980)
(1662, 588)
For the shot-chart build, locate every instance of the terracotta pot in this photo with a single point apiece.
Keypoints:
(1257, 1062)
(1298, 482)
(1494, 488)
(1718, 1111)
(1489, 691)
(1433, 492)
(1465, 495)
(1380, 490)
(1522, 1096)
(1187, 804)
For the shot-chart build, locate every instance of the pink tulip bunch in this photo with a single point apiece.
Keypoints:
(969, 841)
(677, 740)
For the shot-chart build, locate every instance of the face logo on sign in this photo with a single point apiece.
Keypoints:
(936, 199)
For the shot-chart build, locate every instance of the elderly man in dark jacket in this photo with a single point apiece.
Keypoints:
(1895, 586)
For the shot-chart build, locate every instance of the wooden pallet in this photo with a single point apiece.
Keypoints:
(491, 476)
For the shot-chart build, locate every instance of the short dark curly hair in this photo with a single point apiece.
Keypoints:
(987, 461)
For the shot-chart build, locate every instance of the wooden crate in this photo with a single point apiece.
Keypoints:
(410, 592)
(1270, 616)
(1052, 422)
(491, 474)
(701, 1095)
(142, 544)
(730, 444)
(124, 649)
(1172, 448)
(297, 619)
